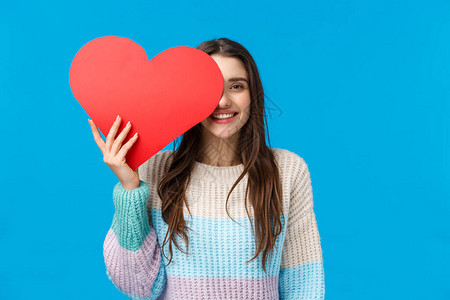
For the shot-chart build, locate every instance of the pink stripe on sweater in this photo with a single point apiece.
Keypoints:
(133, 272)
(221, 288)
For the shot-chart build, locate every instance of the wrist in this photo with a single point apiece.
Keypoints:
(130, 186)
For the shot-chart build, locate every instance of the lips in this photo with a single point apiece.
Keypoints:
(224, 111)
(211, 116)
(234, 115)
(223, 121)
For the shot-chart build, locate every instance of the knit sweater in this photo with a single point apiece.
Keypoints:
(215, 266)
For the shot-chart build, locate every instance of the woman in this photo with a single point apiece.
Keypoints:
(268, 249)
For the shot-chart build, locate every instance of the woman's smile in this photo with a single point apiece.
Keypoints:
(223, 118)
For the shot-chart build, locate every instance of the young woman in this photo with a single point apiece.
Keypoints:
(268, 248)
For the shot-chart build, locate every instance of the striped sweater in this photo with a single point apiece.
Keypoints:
(215, 267)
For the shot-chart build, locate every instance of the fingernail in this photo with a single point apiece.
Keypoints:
(128, 124)
(117, 118)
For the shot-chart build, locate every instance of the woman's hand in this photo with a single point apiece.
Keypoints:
(114, 153)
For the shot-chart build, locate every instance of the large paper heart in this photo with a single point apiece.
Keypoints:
(162, 98)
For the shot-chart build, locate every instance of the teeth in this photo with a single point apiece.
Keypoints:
(223, 116)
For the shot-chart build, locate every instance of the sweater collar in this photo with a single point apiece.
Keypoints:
(205, 172)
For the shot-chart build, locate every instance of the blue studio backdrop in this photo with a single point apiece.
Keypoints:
(359, 89)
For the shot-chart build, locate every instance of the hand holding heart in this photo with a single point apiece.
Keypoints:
(162, 98)
(114, 153)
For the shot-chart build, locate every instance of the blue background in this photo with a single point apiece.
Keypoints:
(359, 89)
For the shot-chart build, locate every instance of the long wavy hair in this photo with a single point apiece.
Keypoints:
(263, 185)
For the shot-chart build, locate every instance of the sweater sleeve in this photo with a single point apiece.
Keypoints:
(301, 274)
(131, 252)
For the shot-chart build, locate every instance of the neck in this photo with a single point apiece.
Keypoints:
(217, 151)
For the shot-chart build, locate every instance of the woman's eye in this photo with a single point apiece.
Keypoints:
(238, 85)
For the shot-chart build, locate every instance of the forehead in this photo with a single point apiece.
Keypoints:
(230, 66)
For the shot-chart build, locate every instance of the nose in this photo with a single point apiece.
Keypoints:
(225, 101)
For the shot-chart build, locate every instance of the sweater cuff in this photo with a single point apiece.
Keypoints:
(137, 196)
(130, 221)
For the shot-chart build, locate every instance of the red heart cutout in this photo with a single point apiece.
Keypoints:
(162, 98)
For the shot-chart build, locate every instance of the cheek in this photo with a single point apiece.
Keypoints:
(245, 113)
(245, 118)
(246, 107)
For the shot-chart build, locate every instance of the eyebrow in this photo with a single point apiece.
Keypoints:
(238, 79)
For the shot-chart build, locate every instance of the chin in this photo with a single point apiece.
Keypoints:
(221, 133)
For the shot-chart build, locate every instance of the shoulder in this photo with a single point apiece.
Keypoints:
(293, 168)
(155, 167)
(288, 161)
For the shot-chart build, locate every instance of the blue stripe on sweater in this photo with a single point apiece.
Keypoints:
(305, 281)
(217, 248)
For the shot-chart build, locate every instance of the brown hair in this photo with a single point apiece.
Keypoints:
(263, 186)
